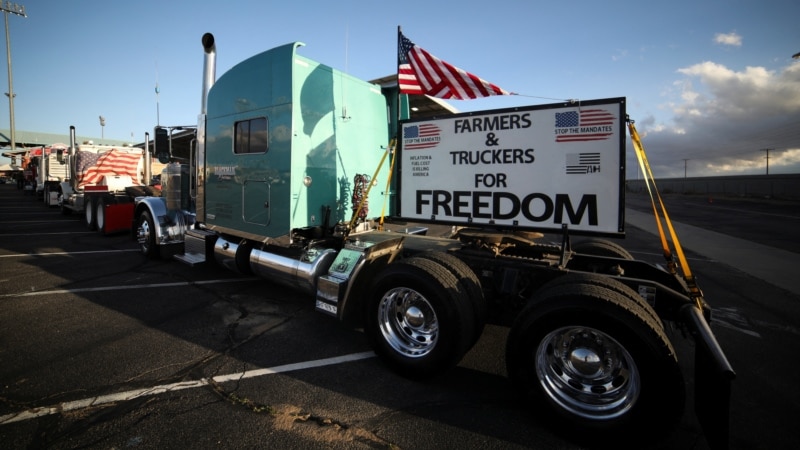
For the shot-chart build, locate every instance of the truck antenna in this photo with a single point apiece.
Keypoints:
(158, 113)
(346, 70)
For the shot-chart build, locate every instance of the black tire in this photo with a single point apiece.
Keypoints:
(468, 282)
(605, 282)
(418, 320)
(601, 247)
(100, 216)
(598, 247)
(89, 216)
(46, 195)
(146, 236)
(594, 364)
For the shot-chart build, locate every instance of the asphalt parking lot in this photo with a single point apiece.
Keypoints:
(101, 348)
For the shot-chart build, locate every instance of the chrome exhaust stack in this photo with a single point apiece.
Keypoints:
(148, 164)
(72, 140)
(209, 69)
(73, 182)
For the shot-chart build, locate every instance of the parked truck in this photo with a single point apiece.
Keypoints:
(311, 178)
(50, 171)
(102, 183)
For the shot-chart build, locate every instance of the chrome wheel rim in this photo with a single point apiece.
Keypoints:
(101, 218)
(587, 372)
(143, 236)
(87, 212)
(408, 322)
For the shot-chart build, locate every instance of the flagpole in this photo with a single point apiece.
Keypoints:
(397, 112)
(393, 198)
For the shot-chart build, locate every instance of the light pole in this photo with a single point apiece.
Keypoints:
(102, 127)
(767, 157)
(19, 10)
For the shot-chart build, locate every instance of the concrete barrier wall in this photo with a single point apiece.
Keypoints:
(764, 186)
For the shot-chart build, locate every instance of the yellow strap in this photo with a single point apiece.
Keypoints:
(650, 179)
(369, 186)
(386, 192)
(637, 145)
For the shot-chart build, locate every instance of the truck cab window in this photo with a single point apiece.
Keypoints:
(251, 136)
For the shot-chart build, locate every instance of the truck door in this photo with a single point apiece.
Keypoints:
(256, 202)
(251, 144)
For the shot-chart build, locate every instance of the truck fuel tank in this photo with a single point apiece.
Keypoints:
(299, 274)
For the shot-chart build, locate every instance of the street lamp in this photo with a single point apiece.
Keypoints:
(19, 10)
(102, 127)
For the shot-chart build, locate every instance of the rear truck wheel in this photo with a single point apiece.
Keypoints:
(469, 283)
(46, 197)
(595, 365)
(89, 213)
(599, 247)
(605, 282)
(100, 216)
(419, 320)
(146, 236)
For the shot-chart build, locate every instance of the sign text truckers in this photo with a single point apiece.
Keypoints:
(507, 168)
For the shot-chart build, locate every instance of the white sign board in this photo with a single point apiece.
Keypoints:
(540, 167)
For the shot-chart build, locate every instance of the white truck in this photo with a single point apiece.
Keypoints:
(289, 177)
(50, 172)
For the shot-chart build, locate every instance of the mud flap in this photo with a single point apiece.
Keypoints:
(713, 376)
(118, 217)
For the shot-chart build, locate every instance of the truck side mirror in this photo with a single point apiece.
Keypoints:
(161, 144)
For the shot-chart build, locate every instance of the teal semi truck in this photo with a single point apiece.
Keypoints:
(311, 178)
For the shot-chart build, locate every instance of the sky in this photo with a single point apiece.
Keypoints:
(711, 85)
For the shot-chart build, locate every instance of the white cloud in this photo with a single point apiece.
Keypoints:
(728, 39)
(722, 119)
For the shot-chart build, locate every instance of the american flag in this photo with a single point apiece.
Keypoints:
(419, 72)
(584, 118)
(582, 163)
(417, 137)
(91, 167)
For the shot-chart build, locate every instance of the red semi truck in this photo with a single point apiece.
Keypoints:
(103, 182)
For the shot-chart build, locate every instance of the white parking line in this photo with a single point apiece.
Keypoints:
(164, 388)
(15, 222)
(117, 288)
(47, 234)
(20, 255)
